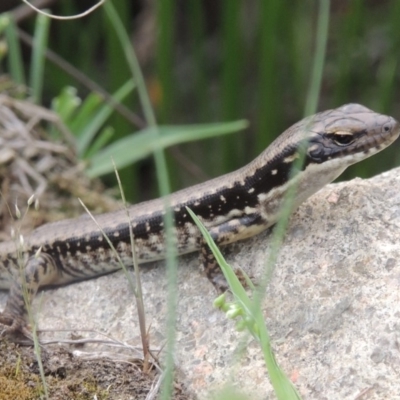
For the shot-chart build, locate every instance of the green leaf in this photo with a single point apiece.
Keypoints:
(66, 103)
(95, 123)
(101, 140)
(84, 114)
(135, 147)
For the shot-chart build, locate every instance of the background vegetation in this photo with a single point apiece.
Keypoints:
(211, 61)
(204, 61)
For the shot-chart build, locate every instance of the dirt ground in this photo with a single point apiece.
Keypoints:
(70, 377)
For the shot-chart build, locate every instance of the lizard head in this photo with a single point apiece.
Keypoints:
(351, 132)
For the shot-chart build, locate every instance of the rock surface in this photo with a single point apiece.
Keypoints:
(332, 307)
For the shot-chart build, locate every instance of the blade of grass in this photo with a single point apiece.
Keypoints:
(15, 62)
(90, 130)
(166, 23)
(164, 187)
(269, 94)
(196, 20)
(351, 29)
(253, 316)
(288, 204)
(311, 101)
(38, 57)
(135, 147)
(232, 69)
(104, 137)
(278, 379)
(66, 104)
(319, 58)
(138, 287)
(87, 110)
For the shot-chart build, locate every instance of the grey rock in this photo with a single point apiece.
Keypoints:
(332, 306)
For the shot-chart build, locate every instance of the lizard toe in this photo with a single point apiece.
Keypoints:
(14, 327)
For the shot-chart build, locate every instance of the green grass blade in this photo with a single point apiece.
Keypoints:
(232, 91)
(319, 58)
(38, 57)
(86, 136)
(135, 147)
(66, 104)
(132, 61)
(166, 15)
(283, 387)
(164, 187)
(269, 93)
(15, 62)
(104, 137)
(86, 112)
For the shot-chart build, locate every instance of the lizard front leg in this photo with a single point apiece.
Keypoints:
(227, 232)
(40, 270)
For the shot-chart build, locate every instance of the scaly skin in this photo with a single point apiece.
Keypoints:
(233, 207)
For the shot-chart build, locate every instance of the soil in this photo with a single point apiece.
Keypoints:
(70, 377)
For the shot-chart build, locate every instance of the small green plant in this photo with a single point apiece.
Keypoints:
(249, 316)
(86, 119)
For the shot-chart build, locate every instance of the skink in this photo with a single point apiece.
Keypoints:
(232, 207)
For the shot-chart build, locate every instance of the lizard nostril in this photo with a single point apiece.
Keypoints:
(386, 127)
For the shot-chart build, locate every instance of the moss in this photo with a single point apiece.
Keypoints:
(18, 385)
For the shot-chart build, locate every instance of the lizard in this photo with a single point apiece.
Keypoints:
(232, 207)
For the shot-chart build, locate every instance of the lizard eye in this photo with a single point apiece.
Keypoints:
(342, 139)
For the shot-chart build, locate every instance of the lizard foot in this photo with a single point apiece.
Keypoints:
(244, 279)
(219, 282)
(14, 327)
